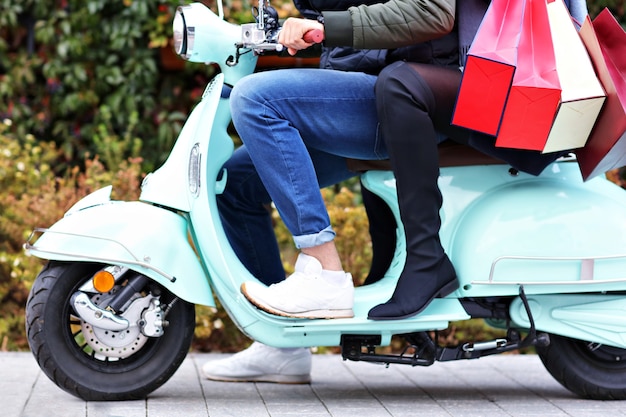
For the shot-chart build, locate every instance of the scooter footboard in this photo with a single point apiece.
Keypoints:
(597, 318)
(143, 237)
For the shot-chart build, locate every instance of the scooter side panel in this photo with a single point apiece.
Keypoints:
(554, 234)
(598, 318)
(143, 237)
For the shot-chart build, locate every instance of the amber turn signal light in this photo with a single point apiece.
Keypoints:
(103, 281)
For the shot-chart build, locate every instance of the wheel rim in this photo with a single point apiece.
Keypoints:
(106, 344)
(603, 354)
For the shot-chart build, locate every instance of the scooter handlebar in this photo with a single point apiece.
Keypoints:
(314, 36)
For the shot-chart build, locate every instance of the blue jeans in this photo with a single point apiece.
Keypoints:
(298, 126)
(245, 212)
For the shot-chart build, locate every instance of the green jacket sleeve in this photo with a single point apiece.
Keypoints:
(388, 25)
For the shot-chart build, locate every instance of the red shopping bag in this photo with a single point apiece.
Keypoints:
(536, 91)
(606, 148)
(489, 68)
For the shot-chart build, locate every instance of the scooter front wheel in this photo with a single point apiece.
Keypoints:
(590, 370)
(100, 363)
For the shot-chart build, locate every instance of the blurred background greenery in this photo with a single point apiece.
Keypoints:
(91, 94)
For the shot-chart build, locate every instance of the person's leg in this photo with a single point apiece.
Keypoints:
(245, 210)
(262, 363)
(382, 228)
(325, 292)
(281, 117)
(248, 225)
(245, 214)
(413, 100)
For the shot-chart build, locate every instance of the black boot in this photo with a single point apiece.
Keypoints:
(405, 104)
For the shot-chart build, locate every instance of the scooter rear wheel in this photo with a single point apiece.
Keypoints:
(57, 338)
(590, 370)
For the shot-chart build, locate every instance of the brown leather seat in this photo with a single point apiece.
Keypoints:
(451, 154)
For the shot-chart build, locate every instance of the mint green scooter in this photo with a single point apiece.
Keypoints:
(111, 315)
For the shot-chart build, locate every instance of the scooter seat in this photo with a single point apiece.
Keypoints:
(451, 154)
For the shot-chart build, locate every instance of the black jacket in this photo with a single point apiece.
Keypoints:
(443, 51)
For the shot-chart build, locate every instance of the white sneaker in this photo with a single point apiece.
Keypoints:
(262, 363)
(304, 294)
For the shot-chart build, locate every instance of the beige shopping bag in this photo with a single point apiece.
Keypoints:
(582, 95)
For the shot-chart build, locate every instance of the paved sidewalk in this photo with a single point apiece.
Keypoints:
(505, 385)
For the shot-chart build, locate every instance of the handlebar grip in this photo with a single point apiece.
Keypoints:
(314, 36)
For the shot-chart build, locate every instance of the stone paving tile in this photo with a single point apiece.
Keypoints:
(48, 400)
(185, 388)
(116, 409)
(512, 385)
(16, 382)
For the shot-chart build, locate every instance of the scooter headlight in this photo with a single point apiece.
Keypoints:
(184, 35)
(202, 36)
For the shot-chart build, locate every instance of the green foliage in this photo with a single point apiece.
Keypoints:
(69, 69)
(110, 148)
(33, 195)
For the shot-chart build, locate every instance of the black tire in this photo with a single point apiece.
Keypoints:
(51, 331)
(590, 370)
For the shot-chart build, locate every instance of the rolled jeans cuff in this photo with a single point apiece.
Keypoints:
(315, 239)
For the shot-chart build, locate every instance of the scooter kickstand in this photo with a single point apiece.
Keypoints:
(352, 348)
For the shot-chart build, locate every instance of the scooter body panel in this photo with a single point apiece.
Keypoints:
(552, 234)
(145, 238)
(177, 182)
(600, 318)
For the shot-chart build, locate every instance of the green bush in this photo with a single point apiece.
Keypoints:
(33, 195)
(69, 67)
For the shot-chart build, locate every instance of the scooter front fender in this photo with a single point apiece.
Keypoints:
(150, 240)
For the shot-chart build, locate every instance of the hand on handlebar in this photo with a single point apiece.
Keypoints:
(297, 34)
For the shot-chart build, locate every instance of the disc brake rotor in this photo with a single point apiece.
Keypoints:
(108, 344)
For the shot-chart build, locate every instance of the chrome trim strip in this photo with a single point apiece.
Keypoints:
(586, 271)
